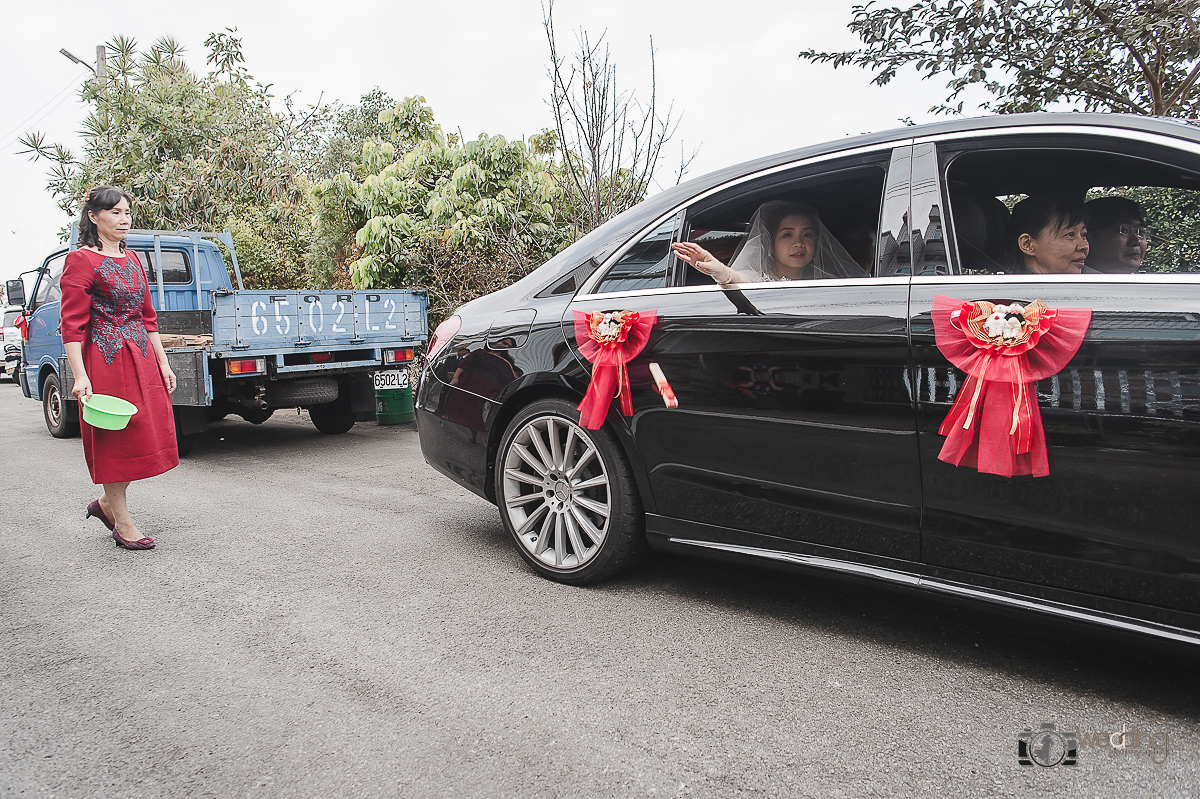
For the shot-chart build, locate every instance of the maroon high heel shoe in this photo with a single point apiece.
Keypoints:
(94, 509)
(141, 543)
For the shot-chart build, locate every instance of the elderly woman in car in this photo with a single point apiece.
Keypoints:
(1047, 235)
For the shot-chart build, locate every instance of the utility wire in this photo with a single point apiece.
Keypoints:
(30, 120)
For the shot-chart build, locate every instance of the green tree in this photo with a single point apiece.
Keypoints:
(457, 218)
(196, 152)
(342, 151)
(1099, 55)
(378, 136)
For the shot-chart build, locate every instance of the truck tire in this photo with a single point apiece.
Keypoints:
(62, 415)
(302, 392)
(333, 418)
(184, 442)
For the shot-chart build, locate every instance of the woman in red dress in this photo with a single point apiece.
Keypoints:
(110, 332)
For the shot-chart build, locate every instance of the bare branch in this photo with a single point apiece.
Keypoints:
(611, 144)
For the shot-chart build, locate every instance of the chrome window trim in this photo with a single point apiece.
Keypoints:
(1145, 137)
(765, 285)
(1073, 280)
(586, 288)
(1113, 620)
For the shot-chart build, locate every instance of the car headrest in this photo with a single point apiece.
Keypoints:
(980, 225)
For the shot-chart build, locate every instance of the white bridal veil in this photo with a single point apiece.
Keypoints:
(755, 256)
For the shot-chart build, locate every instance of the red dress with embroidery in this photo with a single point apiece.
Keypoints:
(106, 307)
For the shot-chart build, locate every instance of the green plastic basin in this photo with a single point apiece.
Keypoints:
(107, 413)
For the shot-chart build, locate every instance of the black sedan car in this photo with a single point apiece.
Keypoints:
(804, 424)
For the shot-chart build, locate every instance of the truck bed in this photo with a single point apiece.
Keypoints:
(275, 322)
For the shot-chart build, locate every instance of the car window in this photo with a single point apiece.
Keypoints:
(644, 265)
(847, 200)
(1140, 215)
(10, 317)
(175, 266)
(48, 287)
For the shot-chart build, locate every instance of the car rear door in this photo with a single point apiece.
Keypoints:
(1116, 517)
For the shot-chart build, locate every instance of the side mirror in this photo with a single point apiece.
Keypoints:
(15, 289)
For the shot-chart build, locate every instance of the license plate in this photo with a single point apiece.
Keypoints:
(389, 380)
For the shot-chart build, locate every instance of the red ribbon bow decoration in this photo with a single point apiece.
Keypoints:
(610, 341)
(995, 424)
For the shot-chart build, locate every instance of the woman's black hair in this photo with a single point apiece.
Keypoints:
(101, 198)
(1036, 214)
(774, 212)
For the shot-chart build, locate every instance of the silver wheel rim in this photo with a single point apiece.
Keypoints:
(556, 492)
(54, 406)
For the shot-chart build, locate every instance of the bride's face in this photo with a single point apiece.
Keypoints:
(795, 242)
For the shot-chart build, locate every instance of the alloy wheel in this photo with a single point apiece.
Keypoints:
(556, 492)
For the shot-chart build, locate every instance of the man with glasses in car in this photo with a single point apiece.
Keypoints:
(1117, 236)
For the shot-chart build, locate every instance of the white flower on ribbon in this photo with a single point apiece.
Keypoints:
(1005, 321)
(610, 325)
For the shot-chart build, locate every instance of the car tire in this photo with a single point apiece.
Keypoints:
(333, 418)
(567, 496)
(57, 410)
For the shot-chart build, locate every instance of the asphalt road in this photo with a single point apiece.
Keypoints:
(328, 617)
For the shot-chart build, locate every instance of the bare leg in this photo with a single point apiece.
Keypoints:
(114, 506)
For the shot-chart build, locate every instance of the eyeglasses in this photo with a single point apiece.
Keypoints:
(1141, 231)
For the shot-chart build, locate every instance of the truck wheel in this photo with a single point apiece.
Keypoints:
(184, 442)
(333, 418)
(60, 420)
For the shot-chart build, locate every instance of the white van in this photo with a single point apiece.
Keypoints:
(12, 341)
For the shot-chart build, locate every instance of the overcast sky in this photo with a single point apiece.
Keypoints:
(730, 68)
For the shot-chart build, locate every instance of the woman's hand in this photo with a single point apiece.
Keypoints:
(168, 375)
(703, 260)
(82, 387)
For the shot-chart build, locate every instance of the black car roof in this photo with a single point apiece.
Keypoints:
(1169, 127)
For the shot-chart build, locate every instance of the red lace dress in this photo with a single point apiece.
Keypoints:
(106, 307)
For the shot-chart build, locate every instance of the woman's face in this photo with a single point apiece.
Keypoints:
(113, 224)
(1056, 251)
(795, 242)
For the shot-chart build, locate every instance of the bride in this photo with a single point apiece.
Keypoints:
(787, 241)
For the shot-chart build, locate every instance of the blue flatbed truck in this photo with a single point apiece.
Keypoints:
(235, 351)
